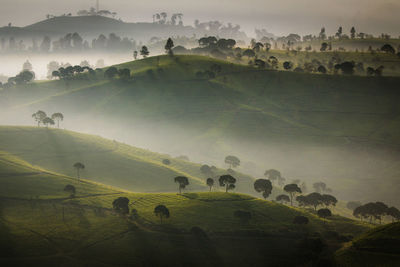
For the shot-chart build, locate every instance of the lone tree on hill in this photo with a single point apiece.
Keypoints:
(48, 121)
(57, 117)
(71, 190)
(121, 205)
(292, 189)
(283, 198)
(232, 161)
(324, 213)
(144, 52)
(210, 183)
(161, 211)
(79, 166)
(166, 161)
(227, 181)
(168, 47)
(39, 116)
(182, 181)
(263, 186)
(388, 49)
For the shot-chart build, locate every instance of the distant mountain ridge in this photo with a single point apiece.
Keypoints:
(93, 26)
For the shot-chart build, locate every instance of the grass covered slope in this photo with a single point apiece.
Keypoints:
(105, 161)
(269, 119)
(378, 247)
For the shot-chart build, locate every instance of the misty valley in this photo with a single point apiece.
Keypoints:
(162, 143)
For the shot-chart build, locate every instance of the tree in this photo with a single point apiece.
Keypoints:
(287, 65)
(243, 216)
(57, 117)
(70, 189)
(292, 189)
(300, 220)
(135, 54)
(394, 213)
(210, 182)
(27, 66)
(24, 76)
(78, 166)
(346, 67)
(121, 205)
(168, 46)
(161, 211)
(111, 72)
(166, 161)
(232, 161)
(206, 170)
(324, 213)
(339, 32)
(321, 69)
(353, 33)
(227, 181)
(39, 116)
(249, 53)
(283, 198)
(273, 175)
(182, 181)
(324, 46)
(328, 200)
(48, 121)
(388, 49)
(144, 52)
(371, 210)
(263, 186)
(321, 187)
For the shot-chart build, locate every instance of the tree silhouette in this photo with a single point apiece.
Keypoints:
(292, 189)
(324, 213)
(121, 205)
(328, 200)
(79, 166)
(70, 189)
(161, 211)
(232, 161)
(283, 198)
(263, 186)
(57, 117)
(111, 72)
(274, 175)
(39, 116)
(168, 46)
(48, 121)
(388, 49)
(144, 52)
(210, 182)
(182, 181)
(227, 181)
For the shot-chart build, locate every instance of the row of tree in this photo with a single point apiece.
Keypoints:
(41, 117)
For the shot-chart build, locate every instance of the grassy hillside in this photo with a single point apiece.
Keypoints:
(84, 231)
(377, 247)
(305, 125)
(105, 161)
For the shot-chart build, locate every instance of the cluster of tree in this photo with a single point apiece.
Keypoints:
(113, 72)
(162, 18)
(376, 210)
(316, 199)
(41, 117)
(72, 72)
(94, 12)
(71, 42)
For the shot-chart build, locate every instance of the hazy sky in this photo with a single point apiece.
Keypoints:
(279, 17)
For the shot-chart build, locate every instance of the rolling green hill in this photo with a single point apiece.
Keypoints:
(105, 161)
(378, 247)
(41, 225)
(340, 129)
